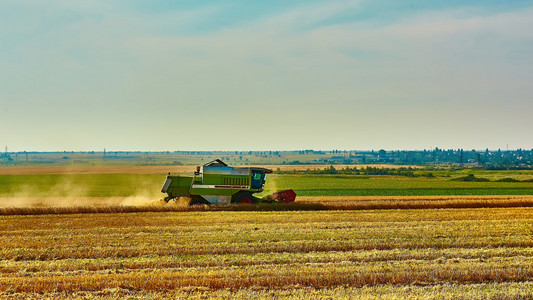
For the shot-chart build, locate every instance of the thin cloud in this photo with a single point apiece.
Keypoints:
(330, 70)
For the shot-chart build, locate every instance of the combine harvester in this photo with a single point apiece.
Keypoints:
(217, 183)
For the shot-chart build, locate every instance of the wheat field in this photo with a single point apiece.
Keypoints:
(480, 252)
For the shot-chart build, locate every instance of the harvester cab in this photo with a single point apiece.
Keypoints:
(218, 183)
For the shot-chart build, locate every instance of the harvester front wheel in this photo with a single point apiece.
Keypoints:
(244, 198)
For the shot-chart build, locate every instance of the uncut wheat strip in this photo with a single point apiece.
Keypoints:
(221, 260)
(113, 206)
(420, 202)
(278, 276)
(301, 205)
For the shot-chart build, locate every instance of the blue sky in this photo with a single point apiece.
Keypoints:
(265, 75)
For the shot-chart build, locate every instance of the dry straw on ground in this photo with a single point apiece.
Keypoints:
(282, 253)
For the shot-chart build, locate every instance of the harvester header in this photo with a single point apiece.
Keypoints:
(218, 183)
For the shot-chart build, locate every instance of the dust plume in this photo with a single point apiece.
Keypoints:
(68, 191)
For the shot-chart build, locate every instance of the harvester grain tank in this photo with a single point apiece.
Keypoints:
(218, 183)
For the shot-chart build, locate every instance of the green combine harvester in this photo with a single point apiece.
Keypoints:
(217, 183)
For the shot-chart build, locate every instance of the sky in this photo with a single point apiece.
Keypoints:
(265, 75)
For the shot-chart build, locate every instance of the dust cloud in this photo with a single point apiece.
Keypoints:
(68, 192)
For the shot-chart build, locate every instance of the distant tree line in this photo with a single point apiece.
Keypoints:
(331, 170)
(519, 159)
(491, 160)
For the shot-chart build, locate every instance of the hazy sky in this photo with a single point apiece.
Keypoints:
(265, 75)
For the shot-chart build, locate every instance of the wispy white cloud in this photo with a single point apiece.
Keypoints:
(298, 71)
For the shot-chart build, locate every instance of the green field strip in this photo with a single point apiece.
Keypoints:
(416, 192)
(149, 185)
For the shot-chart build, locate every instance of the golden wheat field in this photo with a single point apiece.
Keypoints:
(63, 240)
(475, 253)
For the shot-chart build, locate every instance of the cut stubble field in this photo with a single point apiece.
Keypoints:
(325, 245)
(270, 254)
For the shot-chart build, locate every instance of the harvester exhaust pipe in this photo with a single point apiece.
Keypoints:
(286, 196)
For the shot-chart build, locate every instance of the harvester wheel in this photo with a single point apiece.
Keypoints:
(244, 198)
(245, 201)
